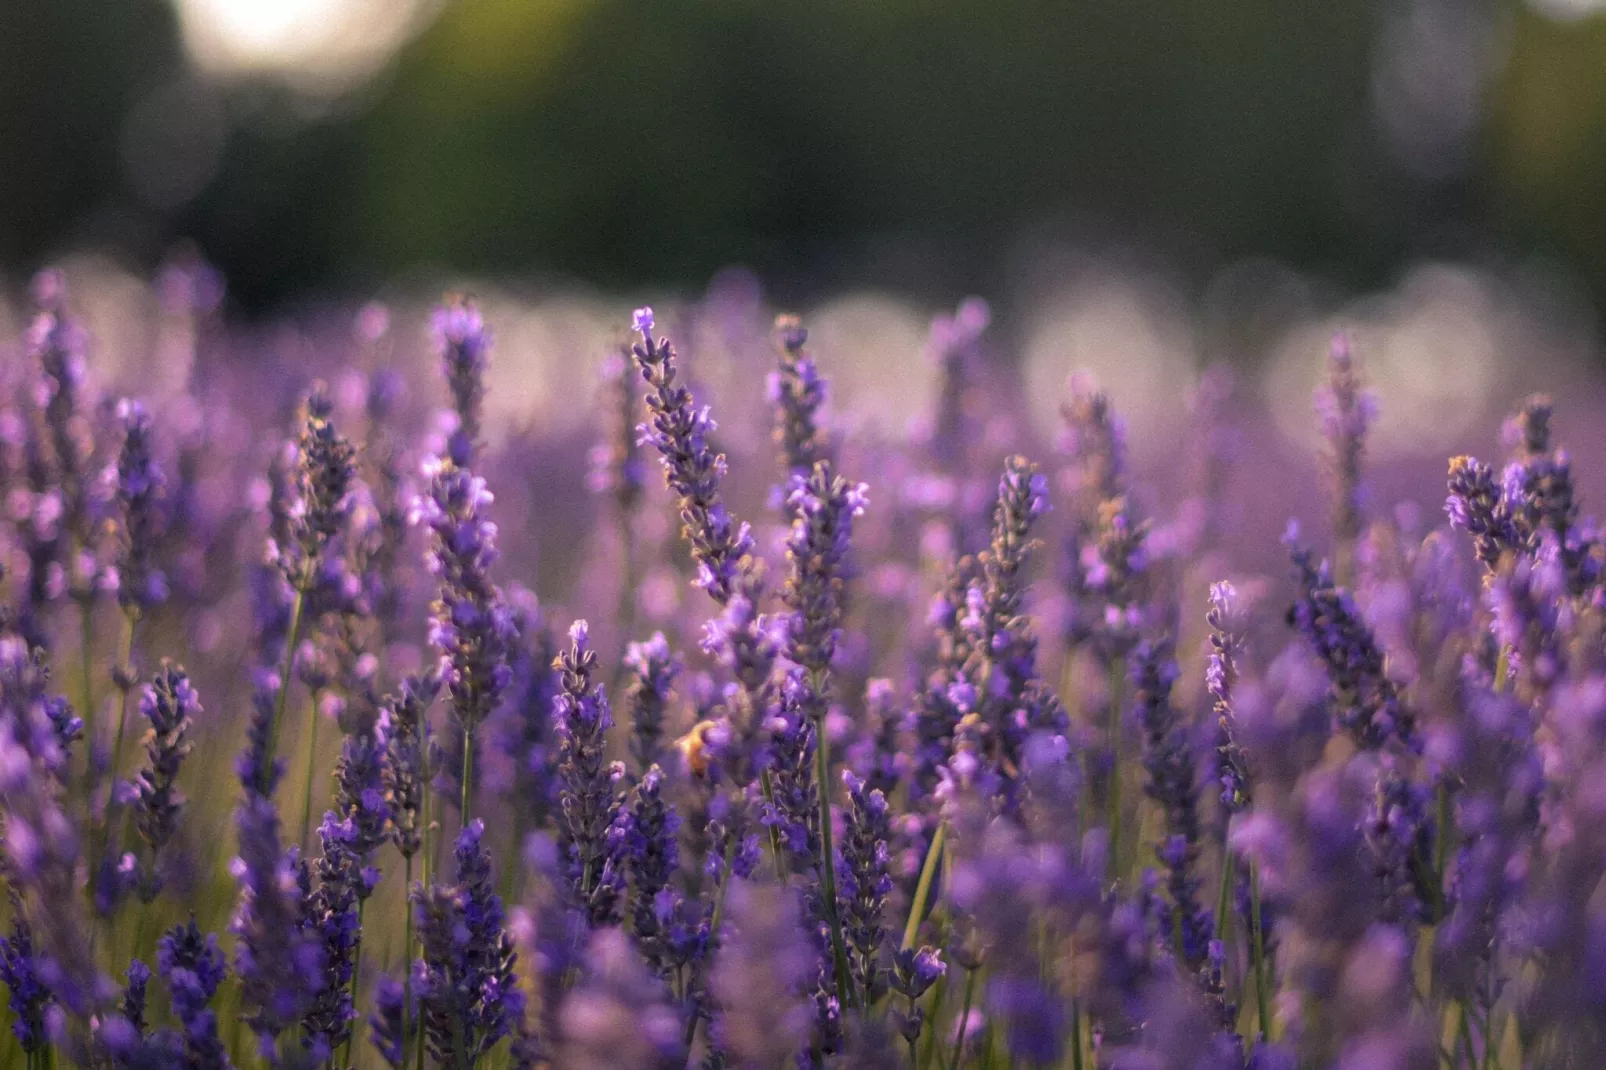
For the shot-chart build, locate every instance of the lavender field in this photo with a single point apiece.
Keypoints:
(715, 695)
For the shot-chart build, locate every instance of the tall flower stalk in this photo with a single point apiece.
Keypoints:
(472, 628)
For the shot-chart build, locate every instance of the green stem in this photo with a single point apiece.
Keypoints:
(356, 975)
(725, 878)
(928, 874)
(822, 780)
(292, 640)
(1076, 1035)
(939, 996)
(964, 1020)
(306, 783)
(1224, 898)
(1262, 987)
(125, 656)
(1502, 669)
(1117, 679)
(466, 800)
(86, 660)
(407, 956)
(768, 786)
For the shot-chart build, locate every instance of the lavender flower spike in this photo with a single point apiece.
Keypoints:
(472, 627)
(1363, 698)
(1347, 412)
(1221, 676)
(467, 991)
(825, 506)
(464, 344)
(590, 799)
(193, 968)
(679, 431)
(1170, 765)
(653, 668)
(331, 914)
(797, 392)
(170, 704)
(139, 481)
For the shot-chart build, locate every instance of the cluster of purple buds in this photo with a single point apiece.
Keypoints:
(170, 704)
(139, 482)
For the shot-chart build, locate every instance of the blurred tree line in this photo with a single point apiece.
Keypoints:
(933, 144)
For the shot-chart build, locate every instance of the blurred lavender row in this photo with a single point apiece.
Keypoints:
(374, 693)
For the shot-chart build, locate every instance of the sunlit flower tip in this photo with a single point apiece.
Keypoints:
(641, 321)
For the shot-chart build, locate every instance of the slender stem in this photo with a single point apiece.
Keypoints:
(1262, 988)
(356, 975)
(292, 640)
(306, 783)
(467, 798)
(822, 780)
(86, 660)
(768, 787)
(407, 956)
(1502, 669)
(928, 873)
(1489, 1060)
(964, 1020)
(725, 879)
(125, 657)
(1224, 898)
(1117, 679)
(1076, 1035)
(939, 996)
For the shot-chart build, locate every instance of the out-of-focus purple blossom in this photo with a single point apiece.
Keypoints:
(1225, 621)
(139, 482)
(132, 1007)
(1093, 441)
(590, 794)
(1400, 833)
(952, 346)
(618, 1015)
(759, 976)
(1364, 700)
(403, 724)
(464, 345)
(524, 729)
(170, 704)
(19, 972)
(1346, 411)
(360, 791)
(63, 442)
(796, 391)
(41, 847)
(387, 1025)
(278, 958)
(653, 669)
(877, 755)
(1531, 617)
(1169, 760)
(617, 468)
